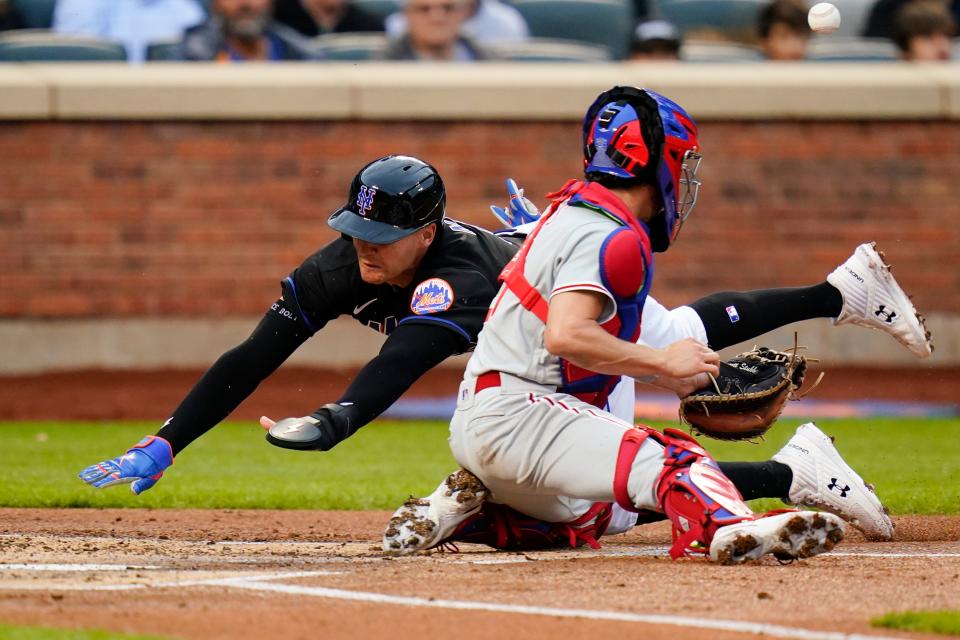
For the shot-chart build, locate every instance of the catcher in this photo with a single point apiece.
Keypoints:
(560, 450)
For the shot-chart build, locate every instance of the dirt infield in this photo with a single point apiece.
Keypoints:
(238, 575)
(307, 574)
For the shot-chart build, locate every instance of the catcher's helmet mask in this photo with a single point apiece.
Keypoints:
(389, 199)
(636, 136)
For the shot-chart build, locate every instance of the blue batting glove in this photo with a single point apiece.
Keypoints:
(519, 210)
(141, 465)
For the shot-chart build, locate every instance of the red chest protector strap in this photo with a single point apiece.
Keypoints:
(512, 275)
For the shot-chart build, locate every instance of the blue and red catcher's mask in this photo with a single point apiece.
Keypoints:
(638, 136)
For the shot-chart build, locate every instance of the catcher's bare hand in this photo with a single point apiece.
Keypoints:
(688, 358)
(683, 387)
(686, 386)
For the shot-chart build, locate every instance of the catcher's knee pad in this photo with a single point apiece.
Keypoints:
(502, 527)
(691, 490)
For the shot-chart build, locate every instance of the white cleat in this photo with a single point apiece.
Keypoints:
(872, 298)
(423, 523)
(788, 536)
(823, 480)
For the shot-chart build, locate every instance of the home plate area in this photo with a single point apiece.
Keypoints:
(190, 588)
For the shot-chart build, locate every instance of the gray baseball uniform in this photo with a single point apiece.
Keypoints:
(546, 453)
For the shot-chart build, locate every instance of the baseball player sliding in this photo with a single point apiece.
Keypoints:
(404, 270)
(559, 334)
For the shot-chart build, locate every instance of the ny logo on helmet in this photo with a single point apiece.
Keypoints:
(365, 199)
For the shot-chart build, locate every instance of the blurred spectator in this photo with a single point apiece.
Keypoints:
(242, 30)
(9, 18)
(314, 17)
(883, 13)
(783, 30)
(132, 23)
(922, 31)
(655, 40)
(433, 33)
(487, 21)
(880, 21)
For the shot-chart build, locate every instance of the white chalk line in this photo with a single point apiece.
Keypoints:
(261, 583)
(75, 567)
(777, 631)
(485, 557)
(607, 551)
(663, 551)
(166, 584)
(294, 543)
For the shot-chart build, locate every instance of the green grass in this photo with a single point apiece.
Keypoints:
(915, 465)
(16, 632)
(945, 622)
(232, 466)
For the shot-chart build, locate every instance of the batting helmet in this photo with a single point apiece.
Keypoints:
(637, 136)
(389, 199)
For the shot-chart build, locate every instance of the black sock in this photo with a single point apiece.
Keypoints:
(733, 316)
(768, 479)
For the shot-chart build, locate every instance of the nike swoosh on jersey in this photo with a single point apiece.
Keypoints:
(363, 306)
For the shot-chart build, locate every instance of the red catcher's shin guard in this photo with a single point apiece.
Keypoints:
(691, 490)
(695, 495)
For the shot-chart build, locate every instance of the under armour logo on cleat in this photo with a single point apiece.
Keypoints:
(887, 316)
(843, 490)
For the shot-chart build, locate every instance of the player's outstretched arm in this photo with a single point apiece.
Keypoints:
(141, 466)
(411, 350)
(224, 386)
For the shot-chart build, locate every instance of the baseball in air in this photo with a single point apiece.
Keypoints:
(824, 18)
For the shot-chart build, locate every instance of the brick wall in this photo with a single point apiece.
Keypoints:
(101, 219)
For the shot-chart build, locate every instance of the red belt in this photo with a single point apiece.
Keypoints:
(487, 380)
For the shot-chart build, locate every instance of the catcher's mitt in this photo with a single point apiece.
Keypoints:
(747, 397)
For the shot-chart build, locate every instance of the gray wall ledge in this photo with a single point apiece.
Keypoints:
(487, 91)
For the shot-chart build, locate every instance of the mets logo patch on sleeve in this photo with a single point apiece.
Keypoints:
(431, 296)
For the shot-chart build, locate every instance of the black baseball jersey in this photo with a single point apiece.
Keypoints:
(438, 315)
(452, 287)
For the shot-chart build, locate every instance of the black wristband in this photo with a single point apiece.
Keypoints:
(336, 421)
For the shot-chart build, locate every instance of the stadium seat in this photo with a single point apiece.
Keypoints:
(350, 46)
(45, 46)
(381, 8)
(35, 14)
(832, 49)
(607, 23)
(164, 50)
(712, 51)
(719, 15)
(548, 50)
